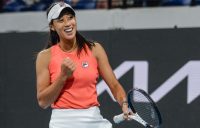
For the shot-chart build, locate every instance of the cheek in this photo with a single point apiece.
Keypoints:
(75, 26)
(58, 29)
(74, 23)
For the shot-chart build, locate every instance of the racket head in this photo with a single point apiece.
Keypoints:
(139, 101)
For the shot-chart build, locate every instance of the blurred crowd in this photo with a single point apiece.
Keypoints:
(40, 5)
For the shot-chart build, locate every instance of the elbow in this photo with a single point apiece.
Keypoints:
(42, 103)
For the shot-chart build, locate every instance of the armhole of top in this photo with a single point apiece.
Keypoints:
(50, 56)
(93, 50)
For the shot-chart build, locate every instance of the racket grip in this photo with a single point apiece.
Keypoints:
(118, 118)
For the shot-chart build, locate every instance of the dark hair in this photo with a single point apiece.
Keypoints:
(54, 37)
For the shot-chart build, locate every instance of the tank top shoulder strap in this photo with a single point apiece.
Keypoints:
(88, 50)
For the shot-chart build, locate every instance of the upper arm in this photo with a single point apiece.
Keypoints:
(104, 67)
(42, 72)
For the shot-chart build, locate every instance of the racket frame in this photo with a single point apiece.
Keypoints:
(149, 98)
(136, 117)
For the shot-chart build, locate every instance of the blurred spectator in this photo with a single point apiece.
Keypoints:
(41, 5)
(102, 4)
(195, 2)
(2, 3)
(152, 3)
(175, 2)
(132, 3)
(117, 3)
(83, 4)
(26, 5)
(146, 3)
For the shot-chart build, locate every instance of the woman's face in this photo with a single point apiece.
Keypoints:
(65, 26)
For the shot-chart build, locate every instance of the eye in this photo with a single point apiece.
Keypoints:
(71, 17)
(60, 20)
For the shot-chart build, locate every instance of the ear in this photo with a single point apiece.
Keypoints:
(51, 27)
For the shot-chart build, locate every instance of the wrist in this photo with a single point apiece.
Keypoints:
(62, 77)
(124, 102)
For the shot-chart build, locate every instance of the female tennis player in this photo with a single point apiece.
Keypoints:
(67, 71)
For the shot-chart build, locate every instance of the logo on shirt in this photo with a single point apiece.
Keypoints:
(85, 64)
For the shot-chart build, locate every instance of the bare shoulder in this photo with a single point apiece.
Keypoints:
(44, 55)
(45, 52)
(97, 45)
(98, 50)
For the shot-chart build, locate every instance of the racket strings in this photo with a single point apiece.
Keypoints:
(144, 108)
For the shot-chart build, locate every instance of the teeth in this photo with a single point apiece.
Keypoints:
(68, 30)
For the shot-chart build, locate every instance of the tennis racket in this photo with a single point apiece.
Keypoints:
(143, 108)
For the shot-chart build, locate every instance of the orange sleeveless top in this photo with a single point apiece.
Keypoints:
(79, 91)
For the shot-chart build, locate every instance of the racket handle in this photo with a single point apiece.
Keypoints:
(118, 118)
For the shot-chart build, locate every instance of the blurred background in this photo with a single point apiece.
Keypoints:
(151, 44)
(40, 5)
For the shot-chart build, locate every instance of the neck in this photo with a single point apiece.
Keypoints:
(69, 46)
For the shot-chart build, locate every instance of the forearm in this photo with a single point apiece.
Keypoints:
(47, 96)
(119, 94)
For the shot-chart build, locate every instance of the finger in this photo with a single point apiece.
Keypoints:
(66, 59)
(68, 63)
(125, 116)
(73, 68)
(131, 113)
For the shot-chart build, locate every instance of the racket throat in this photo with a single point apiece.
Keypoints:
(137, 118)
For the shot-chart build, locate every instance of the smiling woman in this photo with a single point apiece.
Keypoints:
(67, 71)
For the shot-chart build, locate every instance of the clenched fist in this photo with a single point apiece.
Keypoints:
(68, 67)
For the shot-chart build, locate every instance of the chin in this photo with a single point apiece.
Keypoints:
(69, 37)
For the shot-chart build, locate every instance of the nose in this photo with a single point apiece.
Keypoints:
(67, 22)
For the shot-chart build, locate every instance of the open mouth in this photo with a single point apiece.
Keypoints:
(68, 30)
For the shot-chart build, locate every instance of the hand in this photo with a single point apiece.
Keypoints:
(67, 67)
(126, 111)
